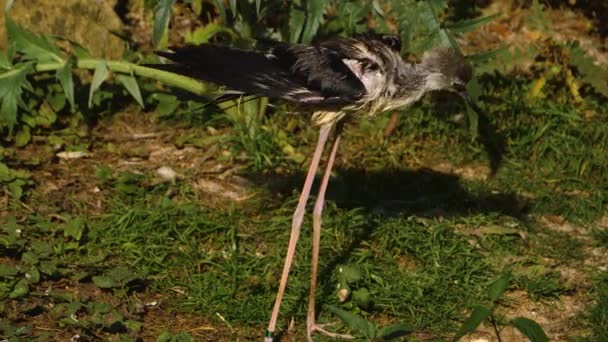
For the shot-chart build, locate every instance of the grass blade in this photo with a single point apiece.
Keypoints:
(478, 315)
(530, 329)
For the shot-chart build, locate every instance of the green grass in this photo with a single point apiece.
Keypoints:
(427, 242)
(598, 315)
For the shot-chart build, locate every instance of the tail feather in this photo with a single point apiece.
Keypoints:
(251, 72)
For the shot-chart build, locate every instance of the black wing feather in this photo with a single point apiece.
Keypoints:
(324, 70)
(305, 74)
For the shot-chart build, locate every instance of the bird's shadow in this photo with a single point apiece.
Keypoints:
(421, 192)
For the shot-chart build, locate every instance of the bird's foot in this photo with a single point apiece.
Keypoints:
(312, 327)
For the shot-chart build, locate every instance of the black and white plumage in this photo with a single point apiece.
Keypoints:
(338, 79)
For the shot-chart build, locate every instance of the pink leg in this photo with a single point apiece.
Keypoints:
(298, 217)
(311, 326)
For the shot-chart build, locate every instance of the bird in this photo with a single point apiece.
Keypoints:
(338, 80)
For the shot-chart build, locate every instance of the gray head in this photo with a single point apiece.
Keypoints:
(447, 70)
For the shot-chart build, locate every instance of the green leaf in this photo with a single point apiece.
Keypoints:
(57, 101)
(15, 188)
(222, 9)
(104, 282)
(109, 319)
(487, 56)
(394, 331)
(593, 75)
(99, 76)
(64, 75)
(355, 322)
(258, 5)
(471, 24)
(162, 14)
(473, 119)
(478, 315)
(96, 307)
(35, 47)
(99, 308)
(33, 275)
(120, 273)
(314, 17)
(23, 136)
(233, 8)
(73, 307)
(5, 173)
(297, 19)
(11, 87)
(133, 325)
(349, 273)
(203, 34)
(197, 6)
(130, 83)
(20, 290)
(74, 228)
(79, 51)
(5, 63)
(46, 115)
(8, 270)
(361, 297)
(167, 104)
(41, 247)
(48, 267)
(499, 286)
(30, 258)
(530, 329)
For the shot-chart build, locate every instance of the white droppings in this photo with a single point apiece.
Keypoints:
(167, 174)
(72, 155)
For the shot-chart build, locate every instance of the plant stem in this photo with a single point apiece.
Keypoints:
(495, 325)
(165, 77)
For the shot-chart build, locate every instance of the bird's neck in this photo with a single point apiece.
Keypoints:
(433, 81)
(411, 86)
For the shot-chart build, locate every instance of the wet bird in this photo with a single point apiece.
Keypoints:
(339, 79)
